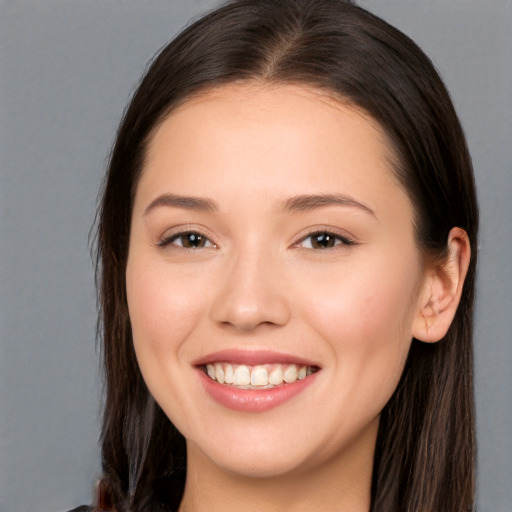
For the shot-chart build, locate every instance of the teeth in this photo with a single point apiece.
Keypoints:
(219, 373)
(242, 376)
(290, 374)
(276, 376)
(228, 374)
(257, 377)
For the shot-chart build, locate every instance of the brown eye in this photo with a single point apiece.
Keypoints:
(324, 240)
(188, 240)
(192, 240)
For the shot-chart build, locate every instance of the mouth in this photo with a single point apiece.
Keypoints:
(254, 381)
(257, 377)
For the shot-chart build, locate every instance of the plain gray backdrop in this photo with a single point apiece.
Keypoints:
(67, 69)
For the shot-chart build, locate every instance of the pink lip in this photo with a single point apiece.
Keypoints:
(252, 400)
(252, 357)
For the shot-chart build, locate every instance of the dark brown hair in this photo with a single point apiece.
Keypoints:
(425, 448)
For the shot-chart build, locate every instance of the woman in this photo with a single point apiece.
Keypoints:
(287, 252)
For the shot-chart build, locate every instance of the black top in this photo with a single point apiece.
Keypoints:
(82, 508)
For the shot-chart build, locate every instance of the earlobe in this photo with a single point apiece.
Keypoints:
(442, 289)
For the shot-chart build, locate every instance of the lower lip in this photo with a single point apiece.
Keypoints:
(253, 400)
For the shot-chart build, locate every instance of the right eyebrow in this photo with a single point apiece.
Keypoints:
(310, 202)
(186, 202)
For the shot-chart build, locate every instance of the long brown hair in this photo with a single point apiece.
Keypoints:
(425, 448)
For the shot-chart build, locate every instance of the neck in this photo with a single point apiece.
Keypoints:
(341, 484)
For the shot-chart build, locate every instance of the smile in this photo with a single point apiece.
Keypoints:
(254, 381)
(261, 376)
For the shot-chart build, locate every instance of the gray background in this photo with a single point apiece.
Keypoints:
(67, 69)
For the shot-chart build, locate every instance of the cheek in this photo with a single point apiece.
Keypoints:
(366, 317)
(164, 308)
(374, 307)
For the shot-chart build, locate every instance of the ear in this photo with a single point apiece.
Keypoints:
(441, 290)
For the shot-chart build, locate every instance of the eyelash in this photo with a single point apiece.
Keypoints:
(328, 236)
(171, 240)
(323, 236)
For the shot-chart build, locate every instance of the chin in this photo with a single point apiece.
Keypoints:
(253, 456)
(260, 465)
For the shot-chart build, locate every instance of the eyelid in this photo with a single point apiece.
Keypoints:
(175, 232)
(341, 236)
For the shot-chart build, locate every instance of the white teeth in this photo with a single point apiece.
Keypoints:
(228, 374)
(290, 374)
(259, 376)
(242, 376)
(276, 376)
(219, 373)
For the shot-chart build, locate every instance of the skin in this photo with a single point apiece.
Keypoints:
(258, 283)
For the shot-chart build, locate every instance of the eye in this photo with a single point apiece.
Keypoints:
(324, 240)
(187, 240)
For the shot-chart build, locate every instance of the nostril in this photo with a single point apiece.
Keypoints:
(247, 314)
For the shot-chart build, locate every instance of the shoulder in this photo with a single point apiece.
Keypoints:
(83, 508)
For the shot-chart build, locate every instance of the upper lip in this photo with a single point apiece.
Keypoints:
(252, 357)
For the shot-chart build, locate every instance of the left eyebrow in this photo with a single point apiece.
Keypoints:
(185, 202)
(309, 202)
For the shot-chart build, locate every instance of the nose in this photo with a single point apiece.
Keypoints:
(252, 293)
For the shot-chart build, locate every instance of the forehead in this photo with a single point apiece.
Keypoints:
(265, 99)
(258, 111)
(269, 139)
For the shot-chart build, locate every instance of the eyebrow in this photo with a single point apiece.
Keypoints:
(296, 203)
(186, 202)
(309, 202)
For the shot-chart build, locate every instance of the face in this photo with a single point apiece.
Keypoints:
(273, 278)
